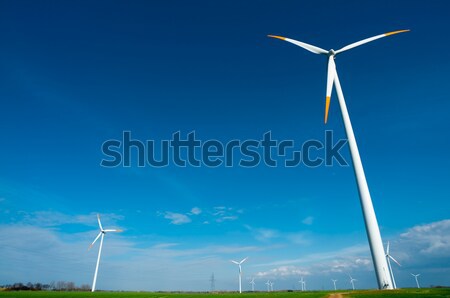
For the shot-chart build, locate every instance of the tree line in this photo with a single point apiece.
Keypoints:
(52, 286)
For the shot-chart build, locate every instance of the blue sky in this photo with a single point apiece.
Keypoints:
(73, 75)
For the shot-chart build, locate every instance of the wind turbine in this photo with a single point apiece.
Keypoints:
(303, 283)
(417, 281)
(334, 283)
(268, 285)
(389, 258)
(252, 282)
(372, 229)
(352, 281)
(100, 235)
(271, 286)
(240, 272)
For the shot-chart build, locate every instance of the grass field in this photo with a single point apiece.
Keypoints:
(435, 293)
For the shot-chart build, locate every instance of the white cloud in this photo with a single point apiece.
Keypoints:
(262, 234)
(308, 220)
(196, 211)
(54, 218)
(283, 271)
(177, 218)
(164, 245)
(222, 213)
(432, 239)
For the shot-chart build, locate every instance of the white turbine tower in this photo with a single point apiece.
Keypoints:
(417, 281)
(352, 281)
(100, 235)
(271, 286)
(372, 229)
(389, 258)
(240, 272)
(268, 285)
(252, 282)
(334, 283)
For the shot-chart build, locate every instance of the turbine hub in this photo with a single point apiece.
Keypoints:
(331, 52)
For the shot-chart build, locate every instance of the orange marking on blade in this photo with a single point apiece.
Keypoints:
(276, 36)
(327, 107)
(395, 32)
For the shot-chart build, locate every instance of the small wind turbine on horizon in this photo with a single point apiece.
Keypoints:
(334, 283)
(352, 281)
(268, 285)
(100, 235)
(373, 231)
(389, 258)
(240, 271)
(252, 282)
(417, 280)
(271, 286)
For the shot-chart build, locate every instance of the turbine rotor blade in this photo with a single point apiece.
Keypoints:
(232, 261)
(243, 260)
(387, 248)
(99, 222)
(308, 47)
(113, 230)
(96, 238)
(392, 258)
(330, 80)
(361, 42)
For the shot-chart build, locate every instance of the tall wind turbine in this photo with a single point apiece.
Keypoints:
(389, 258)
(252, 282)
(417, 281)
(100, 235)
(271, 286)
(372, 229)
(268, 285)
(352, 281)
(240, 272)
(334, 283)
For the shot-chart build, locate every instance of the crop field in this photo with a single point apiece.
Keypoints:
(443, 292)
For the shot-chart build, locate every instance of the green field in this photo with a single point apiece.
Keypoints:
(362, 294)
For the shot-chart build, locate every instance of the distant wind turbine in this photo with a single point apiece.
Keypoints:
(302, 283)
(352, 281)
(389, 258)
(240, 272)
(252, 282)
(271, 286)
(372, 229)
(268, 285)
(334, 283)
(417, 280)
(100, 235)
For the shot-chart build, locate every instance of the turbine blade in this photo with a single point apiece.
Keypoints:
(99, 222)
(232, 261)
(387, 248)
(330, 80)
(308, 47)
(392, 258)
(113, 230)
(243, 260)
(361, 42)
(96, 238)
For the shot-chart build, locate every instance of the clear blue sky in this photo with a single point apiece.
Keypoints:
(74, 74)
